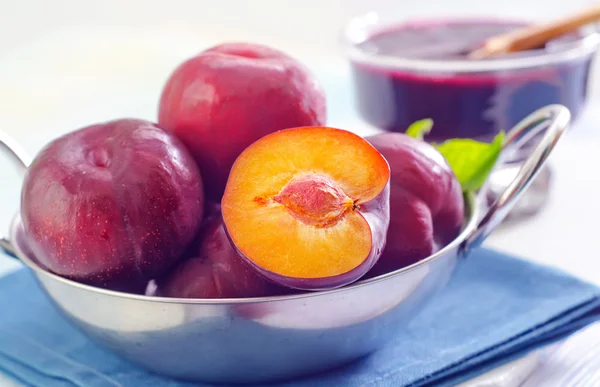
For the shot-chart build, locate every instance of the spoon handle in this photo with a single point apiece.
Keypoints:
(536, 35)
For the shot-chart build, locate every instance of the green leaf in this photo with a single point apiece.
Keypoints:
(472, 161)
(419, 129)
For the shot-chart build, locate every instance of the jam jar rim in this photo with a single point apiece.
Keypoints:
(362, 27)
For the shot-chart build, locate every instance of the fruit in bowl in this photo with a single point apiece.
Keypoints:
(113, 204)
(215, 270)
(426, 201)
(225, 98)
(309, 207)
(304, 207)
(428, 182)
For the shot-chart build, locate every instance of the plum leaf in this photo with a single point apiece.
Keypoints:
(472, 161)
(419, 129)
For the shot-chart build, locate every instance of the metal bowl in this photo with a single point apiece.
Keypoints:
(272, 338)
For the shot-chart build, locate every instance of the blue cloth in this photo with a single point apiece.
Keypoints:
(496, 308)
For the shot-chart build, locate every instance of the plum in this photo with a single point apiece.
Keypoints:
(228, 96)
(426, 201)
(309, 207)
(215, 271)
(113, 204)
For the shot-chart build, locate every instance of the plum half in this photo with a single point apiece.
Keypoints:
(112, 204)
(309, 207)
(426, 201)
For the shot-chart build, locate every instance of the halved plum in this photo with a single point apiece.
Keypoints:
(309, 206)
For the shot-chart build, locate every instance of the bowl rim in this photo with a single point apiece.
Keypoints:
(472, 214)
(361, 27)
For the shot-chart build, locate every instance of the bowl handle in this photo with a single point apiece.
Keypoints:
(22, 160)
(555, 118)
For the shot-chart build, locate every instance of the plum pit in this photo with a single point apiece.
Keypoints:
(315, 200)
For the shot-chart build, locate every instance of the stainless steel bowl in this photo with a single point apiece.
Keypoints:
(273, 338)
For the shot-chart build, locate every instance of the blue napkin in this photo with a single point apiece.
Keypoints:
(495, 309)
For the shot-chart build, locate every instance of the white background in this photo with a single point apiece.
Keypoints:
(68, 63)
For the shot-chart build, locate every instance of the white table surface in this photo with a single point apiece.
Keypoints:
(71, 77)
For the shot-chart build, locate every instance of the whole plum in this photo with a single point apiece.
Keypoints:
(426, 201)
(215, 271)
(228, 96)
(113, 204)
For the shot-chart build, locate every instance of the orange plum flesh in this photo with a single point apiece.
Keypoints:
(309, 207)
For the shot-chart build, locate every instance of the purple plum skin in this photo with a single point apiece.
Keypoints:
(215, 271)
(113, 204)
(426, 201)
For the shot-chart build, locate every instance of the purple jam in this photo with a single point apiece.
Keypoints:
(462, 104)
